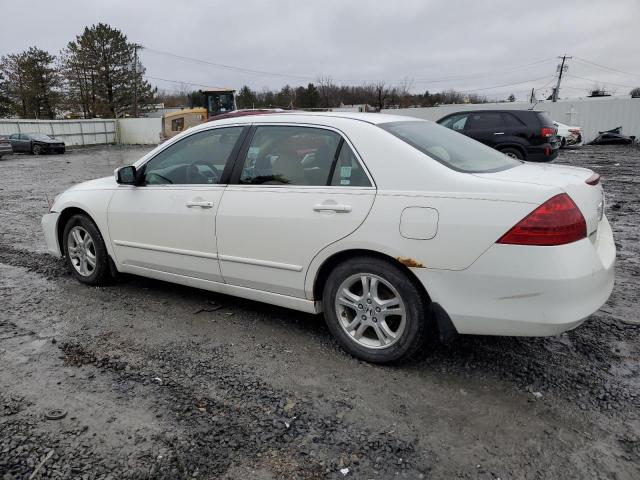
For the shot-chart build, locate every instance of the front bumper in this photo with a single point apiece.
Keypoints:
(50, 229)
(528, 291)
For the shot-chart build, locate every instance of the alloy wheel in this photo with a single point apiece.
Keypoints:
(81, 251)
(370, 310)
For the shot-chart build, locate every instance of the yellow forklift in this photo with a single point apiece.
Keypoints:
(217, 101)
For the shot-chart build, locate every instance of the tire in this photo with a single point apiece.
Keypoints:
(513, 153)
(410, 329)
(79, 254)
(36, 149)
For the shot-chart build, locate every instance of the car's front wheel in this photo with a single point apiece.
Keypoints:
(85, 251)
(374, 310)
(36, 149)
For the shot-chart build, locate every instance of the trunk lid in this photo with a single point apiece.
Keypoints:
(572, 180)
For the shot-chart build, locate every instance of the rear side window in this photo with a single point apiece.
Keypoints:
(287, 155)
(450, 148)
(486, 120)
(455, 122)
(511, 120)
(348, 172)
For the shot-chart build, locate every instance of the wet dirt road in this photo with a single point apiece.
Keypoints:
(161, 381)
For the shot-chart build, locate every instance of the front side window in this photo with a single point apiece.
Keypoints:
(197, 159)
(450, 148)
(285, 155)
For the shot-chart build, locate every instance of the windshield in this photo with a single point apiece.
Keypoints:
(40, 136)
(220, 103)
(450, 148)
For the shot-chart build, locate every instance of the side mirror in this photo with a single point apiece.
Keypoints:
(126, 175)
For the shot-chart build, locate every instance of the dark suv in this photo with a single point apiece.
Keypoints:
(522, 134)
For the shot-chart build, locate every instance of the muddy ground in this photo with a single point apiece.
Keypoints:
(161, 381)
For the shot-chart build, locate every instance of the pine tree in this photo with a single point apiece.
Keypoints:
(102, 75)
(33, 83)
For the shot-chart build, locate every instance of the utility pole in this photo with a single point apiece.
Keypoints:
(135, 79)
(561, 69)
(532, 97)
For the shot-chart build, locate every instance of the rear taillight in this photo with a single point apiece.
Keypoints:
(547, 132)
(557, 221)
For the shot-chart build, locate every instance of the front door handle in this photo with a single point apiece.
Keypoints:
(331, 207)
(201, 204)
(499, 133)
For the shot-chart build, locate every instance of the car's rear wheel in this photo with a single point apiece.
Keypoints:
(374, 310)
(85, 251)
(36, 149)
(513, 153)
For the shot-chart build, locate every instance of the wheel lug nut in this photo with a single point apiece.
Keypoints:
(364, 317)
(360, 307)
(377, 309)
(368, 300)
(375, 319)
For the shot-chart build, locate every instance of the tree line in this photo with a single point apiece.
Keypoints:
(97, 75)
(325, 94)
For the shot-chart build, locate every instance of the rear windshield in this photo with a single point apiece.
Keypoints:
(450, 148)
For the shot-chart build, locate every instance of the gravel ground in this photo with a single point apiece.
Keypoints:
(161, 381)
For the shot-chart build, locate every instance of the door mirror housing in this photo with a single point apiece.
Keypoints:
(126, 175)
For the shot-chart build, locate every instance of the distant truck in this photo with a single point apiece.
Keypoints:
(217, 101)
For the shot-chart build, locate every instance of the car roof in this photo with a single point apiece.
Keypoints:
(312, 117)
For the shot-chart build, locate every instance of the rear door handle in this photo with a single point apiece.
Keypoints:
(331, 207)
(499, 133)
(201, 204)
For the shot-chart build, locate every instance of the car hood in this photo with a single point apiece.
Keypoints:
(106, 183)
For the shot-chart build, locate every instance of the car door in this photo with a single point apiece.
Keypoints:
(167, 223)
(20, 142)
(485, 127)
(295, 190)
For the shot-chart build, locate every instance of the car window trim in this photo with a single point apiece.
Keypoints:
(226, 173)
(334, 162)
(237, 171)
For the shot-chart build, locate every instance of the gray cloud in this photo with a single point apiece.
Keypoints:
(468, 45)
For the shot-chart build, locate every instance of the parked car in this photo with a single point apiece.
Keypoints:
(568, 135)
(385, 223)
(521, 134)
(36, 143)
(5, 146)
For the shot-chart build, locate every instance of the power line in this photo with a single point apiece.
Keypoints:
(507, 84)
(225, 66)
(181, 82)
(604, 67)
(599, 81)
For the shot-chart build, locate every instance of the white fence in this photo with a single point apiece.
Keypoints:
(139, 131)
(134, 131)
(592, 114)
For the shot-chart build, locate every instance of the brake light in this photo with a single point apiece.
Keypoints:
(558, 221)
(547, 132)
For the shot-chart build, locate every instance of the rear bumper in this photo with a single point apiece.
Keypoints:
(527, 291)
(543, 153)
(49, 228)
(5, 149)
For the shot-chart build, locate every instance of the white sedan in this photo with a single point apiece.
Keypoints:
(389, 225)
(568, 135)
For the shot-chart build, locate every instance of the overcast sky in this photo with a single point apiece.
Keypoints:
(490, 47)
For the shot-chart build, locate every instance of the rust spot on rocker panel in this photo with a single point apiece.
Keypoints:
(410, 262)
